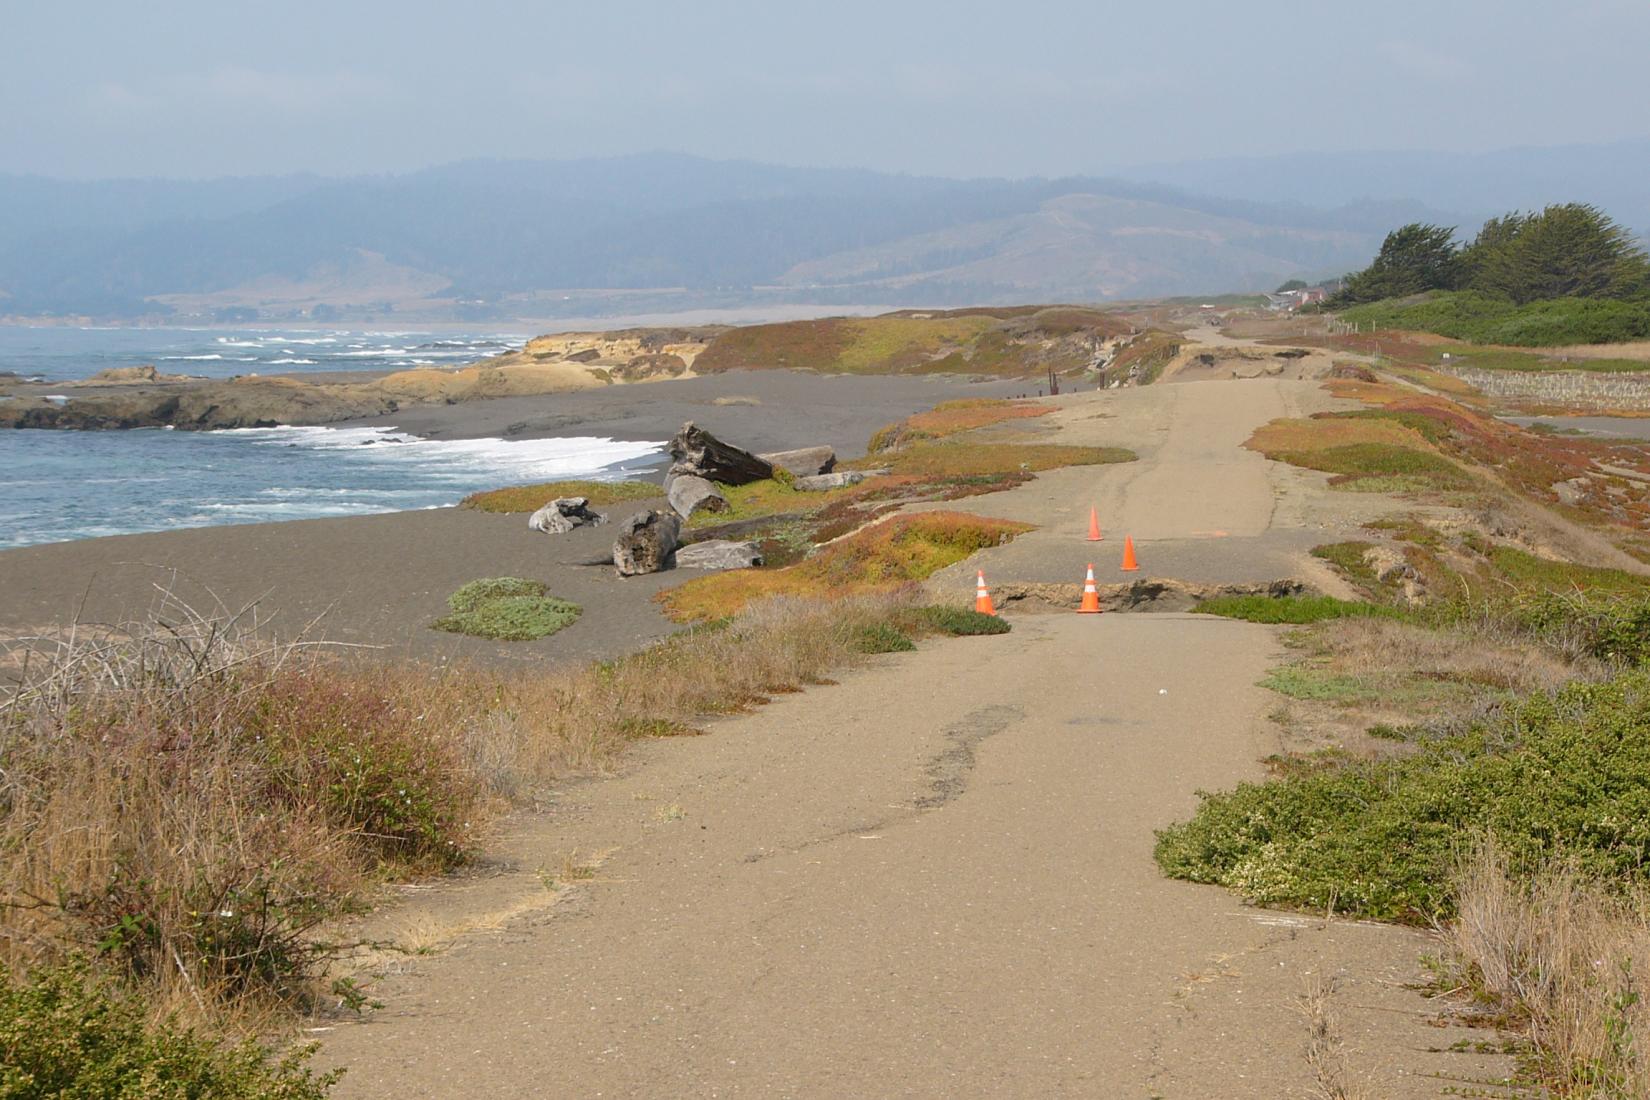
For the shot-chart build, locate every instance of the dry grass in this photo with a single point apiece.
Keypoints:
(1006, 342)
(1323, 1041)
(1563, 959)
(192, 804)
(1355, 675)
(1635, 349)
(1509, 664)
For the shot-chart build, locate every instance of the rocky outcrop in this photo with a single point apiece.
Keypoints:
(203, 406)
(647, 543)
(696, 453)
(564, 514)
(128, 376)
(1390, 567)
(719, 554)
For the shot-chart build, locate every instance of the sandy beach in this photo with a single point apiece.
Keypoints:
(379, 580)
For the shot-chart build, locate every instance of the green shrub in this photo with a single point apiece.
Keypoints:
(1565, 775)
(508, 609)
(883, 638)
(1296, 610)
(959, 621)
(1355, 461)
(67, 1035)
(475, 593)
(512, 618)
(1485, 319)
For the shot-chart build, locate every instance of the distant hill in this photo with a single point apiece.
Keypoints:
(537, 239)
(1476, 185)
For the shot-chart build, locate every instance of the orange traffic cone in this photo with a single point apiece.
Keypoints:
(982, 597)
(1094, 526)
(1091, 595)
(1129, 564)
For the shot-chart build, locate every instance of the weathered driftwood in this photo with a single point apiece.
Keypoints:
(696, 452)
(804, 461)
(718, 554)
(688, 493)
(841, 479)
(563, 514)
(646, 542)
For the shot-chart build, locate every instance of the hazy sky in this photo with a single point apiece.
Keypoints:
(194, 88)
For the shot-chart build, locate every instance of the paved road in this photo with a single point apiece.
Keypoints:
(934, 879)
(1199, 506)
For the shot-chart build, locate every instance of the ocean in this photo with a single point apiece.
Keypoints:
(59, 485)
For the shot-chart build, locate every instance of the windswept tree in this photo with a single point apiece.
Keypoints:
(1572, 250)
(1415, 258)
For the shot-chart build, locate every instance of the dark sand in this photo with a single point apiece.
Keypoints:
(380, 580)
(791, 409)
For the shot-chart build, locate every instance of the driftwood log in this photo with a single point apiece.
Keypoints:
(646, 543)
(718, 554)
(696, 452)
(804, 461)
(563, 514)
(689, 493)
(841, 479)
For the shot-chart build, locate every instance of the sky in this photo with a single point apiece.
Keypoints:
(185, 88)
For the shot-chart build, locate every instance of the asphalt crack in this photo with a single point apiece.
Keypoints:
(949, 772)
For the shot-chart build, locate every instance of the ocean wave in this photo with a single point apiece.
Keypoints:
(450, 460)
(292, 362)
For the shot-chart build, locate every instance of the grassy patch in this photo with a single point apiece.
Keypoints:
(959, 621)
(65, 1033)
(879, 558)
(1530, 573)
(1482, 319)
(1295, 610)
(1560, 775)
(1303, 682)
(530, 498)
(508, 609)
(950, 418)
(1401, 466)
(963, 460)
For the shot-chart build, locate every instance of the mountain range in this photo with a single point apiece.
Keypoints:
(505, 240)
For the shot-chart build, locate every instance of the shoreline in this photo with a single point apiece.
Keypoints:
(379, 579)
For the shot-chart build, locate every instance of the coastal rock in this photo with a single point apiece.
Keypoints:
(718, 554)
(563, 514)
(646, 543)
(696, 452)
(126, 376)
(688, 494)
(804, 461)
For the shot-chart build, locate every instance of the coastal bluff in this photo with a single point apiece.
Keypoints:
(140, 397)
